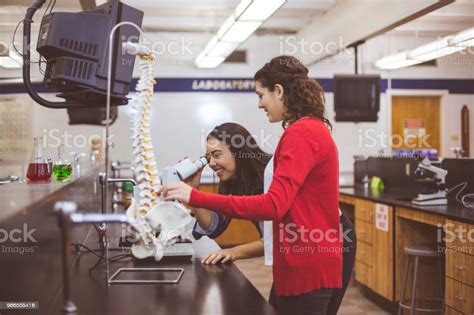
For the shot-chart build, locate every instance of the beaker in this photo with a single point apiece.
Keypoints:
(62, 169)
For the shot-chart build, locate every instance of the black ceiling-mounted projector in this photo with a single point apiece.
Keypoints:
(75, 46)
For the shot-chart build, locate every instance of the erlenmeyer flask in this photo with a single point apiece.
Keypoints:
(38, 169)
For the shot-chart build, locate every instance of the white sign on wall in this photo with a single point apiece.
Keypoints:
(381, 217)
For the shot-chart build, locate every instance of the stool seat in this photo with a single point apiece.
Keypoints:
(423, 250)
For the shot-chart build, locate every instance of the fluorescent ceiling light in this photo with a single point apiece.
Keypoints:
(223, 49)
(464, 38)
(210, 62)
(211, 44)
(434, 54)
(467, 43)
(445, 46)
(225, 27)
(260, 10)
(428, 49)
(248, 16)
(241, 7)
(240, 31)
(395, 61)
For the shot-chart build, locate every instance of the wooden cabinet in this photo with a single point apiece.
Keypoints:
(238, 232)
(364, 210)
(383, 261)
(451, 311)
(459, 296)
(363, 274)
(364, 253)
(364, 231)
(459, 289)
(460, 267)
(374, 257)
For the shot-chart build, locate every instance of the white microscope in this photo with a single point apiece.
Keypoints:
(183, 170)
(434, 189)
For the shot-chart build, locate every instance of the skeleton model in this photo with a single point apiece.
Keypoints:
(147, 211)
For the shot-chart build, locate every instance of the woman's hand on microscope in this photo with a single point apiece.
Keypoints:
(179, 191)
(222, 256)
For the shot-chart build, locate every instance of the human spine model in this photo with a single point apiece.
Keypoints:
(144, 163)
(148, 212)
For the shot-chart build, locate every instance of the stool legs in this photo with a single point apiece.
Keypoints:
(441, 275)
(404, 285)
(413, 293)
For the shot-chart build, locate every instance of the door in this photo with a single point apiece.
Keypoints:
(416, 123)
(465, 130)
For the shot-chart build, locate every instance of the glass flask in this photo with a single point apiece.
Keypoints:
(38, 168)
(62, 169)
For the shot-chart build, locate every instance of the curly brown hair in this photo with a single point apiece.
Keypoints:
(302, 96)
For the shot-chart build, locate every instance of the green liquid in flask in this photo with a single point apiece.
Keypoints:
(62, 171)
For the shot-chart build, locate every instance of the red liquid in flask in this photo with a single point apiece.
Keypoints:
(38, 171)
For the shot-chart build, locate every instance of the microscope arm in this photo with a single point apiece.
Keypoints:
(426, 165)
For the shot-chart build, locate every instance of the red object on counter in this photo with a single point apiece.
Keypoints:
(38, 171)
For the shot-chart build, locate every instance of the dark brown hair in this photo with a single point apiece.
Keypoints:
(302, 96)
(250, 160)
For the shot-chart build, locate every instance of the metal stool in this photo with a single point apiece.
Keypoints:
(420, 250)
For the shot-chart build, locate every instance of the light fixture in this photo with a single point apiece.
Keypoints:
(240, 31)
(445, 46)
(210, 62)
(396, 61)
(247, 17)
(464, 38)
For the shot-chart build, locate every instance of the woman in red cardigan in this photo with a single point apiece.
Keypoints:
(302, 199)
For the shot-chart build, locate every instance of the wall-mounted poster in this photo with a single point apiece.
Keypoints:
(413, 131)
(16, 134)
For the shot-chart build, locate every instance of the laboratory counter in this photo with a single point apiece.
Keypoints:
(31, 264)
(387, 224)
(399, 198)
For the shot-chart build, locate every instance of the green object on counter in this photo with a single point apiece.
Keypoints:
(127, 186)
(62, 171)
(376, 184)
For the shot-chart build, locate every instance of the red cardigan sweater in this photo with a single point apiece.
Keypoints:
(302, 201)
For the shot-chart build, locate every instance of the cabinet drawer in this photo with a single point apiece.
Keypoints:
(451, 311)
(363, 274)
(364, 253)
(346, 199)
(457, 236)
(459, 296)
(363, 231)
(364, 210)
(460, 267)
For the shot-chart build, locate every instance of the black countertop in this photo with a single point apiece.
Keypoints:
(452, 210)
(30, 267)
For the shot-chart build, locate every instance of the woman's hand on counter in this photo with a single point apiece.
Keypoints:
(179, 191)
(222, 256)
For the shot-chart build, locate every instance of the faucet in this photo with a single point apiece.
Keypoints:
(458, 152)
